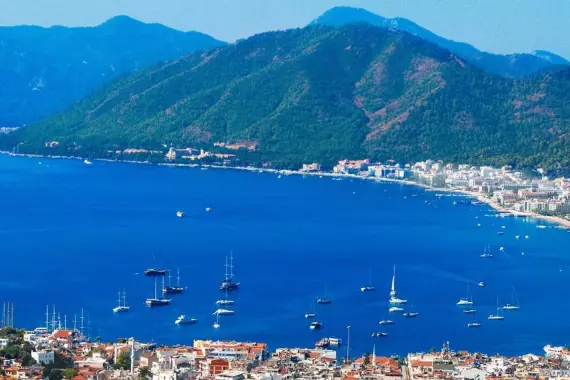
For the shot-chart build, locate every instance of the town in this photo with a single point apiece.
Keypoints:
(56, 353)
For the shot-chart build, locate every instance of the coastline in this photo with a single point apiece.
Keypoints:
(561, 222)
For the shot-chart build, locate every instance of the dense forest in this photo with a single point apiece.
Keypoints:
(321, 94)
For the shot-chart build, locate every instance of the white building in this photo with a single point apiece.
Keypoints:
(43, 357)
(3, 342)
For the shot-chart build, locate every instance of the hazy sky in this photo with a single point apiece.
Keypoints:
(500, 26)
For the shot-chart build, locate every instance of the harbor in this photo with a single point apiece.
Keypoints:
(293, 239)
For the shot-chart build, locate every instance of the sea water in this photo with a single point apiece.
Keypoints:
(73, 235)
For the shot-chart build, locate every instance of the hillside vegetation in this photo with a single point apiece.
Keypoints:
(321, 94)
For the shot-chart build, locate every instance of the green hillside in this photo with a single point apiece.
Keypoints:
(322, 94)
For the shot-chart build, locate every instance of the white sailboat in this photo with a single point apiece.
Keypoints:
(324, 300)
(515, 306)
(393, 299)
(121, 308)
(225, 300)
(224, 312)
(498, 316)
(369, 287)
(486, 254)
(216, 324)
(150, 302)
(467, 301)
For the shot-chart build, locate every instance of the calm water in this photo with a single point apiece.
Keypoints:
(72, 235)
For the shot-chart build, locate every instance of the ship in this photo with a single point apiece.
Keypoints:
(469, 311)
(155, 272)
(515, 306)
(310, 315)
(386, 322)
(473, 324)
(151, 302)
(180, 214)
(324, 300)
(379, 334)
(228, 283)
(121, 307)
(224, 312)
(410, 315)
(497, 316)
(316, 325)
(173, 289)
(368, 287)
(467, 301)
(185, 320)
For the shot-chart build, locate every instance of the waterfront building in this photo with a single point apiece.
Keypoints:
(43, 357)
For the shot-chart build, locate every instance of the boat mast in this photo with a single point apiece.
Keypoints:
(47, 317)
(393, 291)
(231, 265)
(163, 288)
(124, 298)
(155, 295)
(119, 300)
(227, 278)
(178, 277)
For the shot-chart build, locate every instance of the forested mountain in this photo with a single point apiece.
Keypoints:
(320, 94)
(510, 65)
(45, 70)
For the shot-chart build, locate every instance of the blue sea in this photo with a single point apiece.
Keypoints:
(72, 235)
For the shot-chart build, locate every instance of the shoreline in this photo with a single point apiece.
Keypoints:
(561, 222)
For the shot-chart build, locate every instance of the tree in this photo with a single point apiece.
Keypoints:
(367, 359)
(69, 373)
(55, 374)
(144, 373)
(123, 360)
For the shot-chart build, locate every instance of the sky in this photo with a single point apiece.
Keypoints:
(497, 26)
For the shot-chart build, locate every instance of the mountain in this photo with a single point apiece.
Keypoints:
(321, 94)
(510, 65)
(46, 70)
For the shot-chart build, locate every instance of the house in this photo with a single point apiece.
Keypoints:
(43, 357)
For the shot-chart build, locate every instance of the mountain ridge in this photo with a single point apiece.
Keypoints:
(508, 65)
(46, 69)
(321, 94)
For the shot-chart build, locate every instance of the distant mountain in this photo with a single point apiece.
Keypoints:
(510, 65)
(321, 94)
(46, 70)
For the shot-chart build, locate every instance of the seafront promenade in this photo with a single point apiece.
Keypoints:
(60, 353)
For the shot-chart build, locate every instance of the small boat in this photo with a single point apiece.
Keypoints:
(393, 299)
(500, 233)
(541, 226)
(155, 272)
(121, 307)
(368, 287)
(515, 306)
(225, 300)
(469, 311)
(151, 302)
(410, 315)
(224, 312)
(173, 289)
(87, 162)
(526, 236)
(315, 325)
(479, 225)
(517, 237)
(216, 324)
(473, 324)
(486, 254)
(379, 334)
(481, 284)
(208, 209)
(467, 301)
(385, 322)
(496, 317)
(279, 176)
(395, 309)
(324, 300)
(180, 214)
(502, 249)
(184, 320)
(310, 315)
(328, 342)
(503, 227)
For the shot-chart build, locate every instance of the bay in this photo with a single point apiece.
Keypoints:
(72, 235)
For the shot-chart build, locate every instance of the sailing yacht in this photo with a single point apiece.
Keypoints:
(515, 306)
(411, 314)
(155, 272)
(216, 324)
(467, 301)
(121, 308)
(496, 317)
(180, 214)
(225, 300)
(473, 324)
(486, 254)
(173, 289)
(324, 300)
(393, 299)
(310, 315)
(228, 283)
(150, 302)
(394, 309)
(369, 287)
(385, 322)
